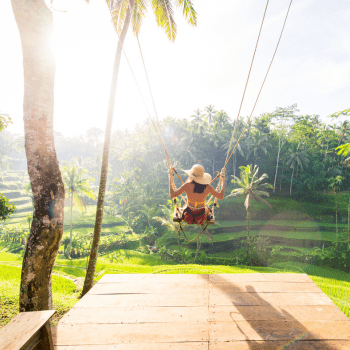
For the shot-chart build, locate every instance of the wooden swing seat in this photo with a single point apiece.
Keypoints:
(177, 217)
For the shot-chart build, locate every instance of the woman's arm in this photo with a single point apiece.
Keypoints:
(221, 194)
(172, 189)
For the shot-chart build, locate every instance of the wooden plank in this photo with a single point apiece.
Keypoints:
(283, 312)
(133, 300)
(219, 298)
(154, 278)
(259, 277)
(22, 328)
(266, 287)
(148, 288)
(279, 345)
(136, 315)
(140, 346)
(277, 330)
(95, 334)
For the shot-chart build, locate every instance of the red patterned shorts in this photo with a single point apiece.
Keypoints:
(195, 217)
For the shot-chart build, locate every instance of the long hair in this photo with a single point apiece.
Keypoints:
(198, 188)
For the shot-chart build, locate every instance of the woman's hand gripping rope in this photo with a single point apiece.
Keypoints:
(171, 177)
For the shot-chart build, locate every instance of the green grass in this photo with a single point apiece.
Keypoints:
(10, 277)
(227, 236)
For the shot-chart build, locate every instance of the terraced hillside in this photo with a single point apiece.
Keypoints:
(293, 224)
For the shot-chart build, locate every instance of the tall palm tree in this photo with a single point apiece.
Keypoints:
(226, 145)
(35, 24)
(123, 12)
(197, 115)
(77, 187)
(252, 187)
(257, 143)
(296, 159)
(210, 113)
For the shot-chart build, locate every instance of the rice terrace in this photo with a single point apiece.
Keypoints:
(160, 188)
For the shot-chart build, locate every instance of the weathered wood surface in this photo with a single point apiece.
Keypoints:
(279, 330)
(211, 312)
(94, 334)
(149, 288)
(279, 345)
(25, 330)
(266, 287)
(283, 312)
(154, 278)
(137, 315)
(139, 346)
(259, 277)
(220, 298)
(136, 300)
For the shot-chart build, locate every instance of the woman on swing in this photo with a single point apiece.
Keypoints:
(197, 188)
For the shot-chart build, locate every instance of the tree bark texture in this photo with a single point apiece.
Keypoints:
(35, 24)
(291, 183)
(89, 279)
(278, 158)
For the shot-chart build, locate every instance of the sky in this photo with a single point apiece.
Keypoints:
(206, 65)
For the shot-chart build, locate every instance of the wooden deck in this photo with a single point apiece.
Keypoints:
(201, 312)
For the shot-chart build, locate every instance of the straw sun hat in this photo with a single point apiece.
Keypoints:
(198, 175)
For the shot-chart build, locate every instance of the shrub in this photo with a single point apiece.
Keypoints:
(336, 256)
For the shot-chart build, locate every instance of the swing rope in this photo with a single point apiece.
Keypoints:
(191, 240)
(246, 84)
(228, 155)
(158, 131)
(256, 101)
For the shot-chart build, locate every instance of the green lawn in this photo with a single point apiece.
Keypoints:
(64, 297)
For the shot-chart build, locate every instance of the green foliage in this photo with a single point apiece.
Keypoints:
(6, 208)
(10, 277)
(250, 185)
(335, 256)
(4, 122)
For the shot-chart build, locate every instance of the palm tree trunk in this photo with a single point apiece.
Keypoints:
(89, 279)
(278, 158)
(291, 183)
(281, 177)
(35, 25)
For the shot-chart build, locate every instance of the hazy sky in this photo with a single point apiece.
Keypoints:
(206, 65)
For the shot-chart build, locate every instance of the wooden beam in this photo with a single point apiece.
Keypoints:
(26, 330)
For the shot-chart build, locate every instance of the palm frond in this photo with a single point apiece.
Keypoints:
(261, 178)
(165, 17)
(118, 10)
(262, 193)
(262, 186)
(138, 15)
(188, 11)
(264, 201)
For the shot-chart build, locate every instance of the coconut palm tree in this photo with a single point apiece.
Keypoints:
(35, 24)
(123, 12)
(210, 113)
(252, 187)
(257, 143)
(296, 159)
(77, 187)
